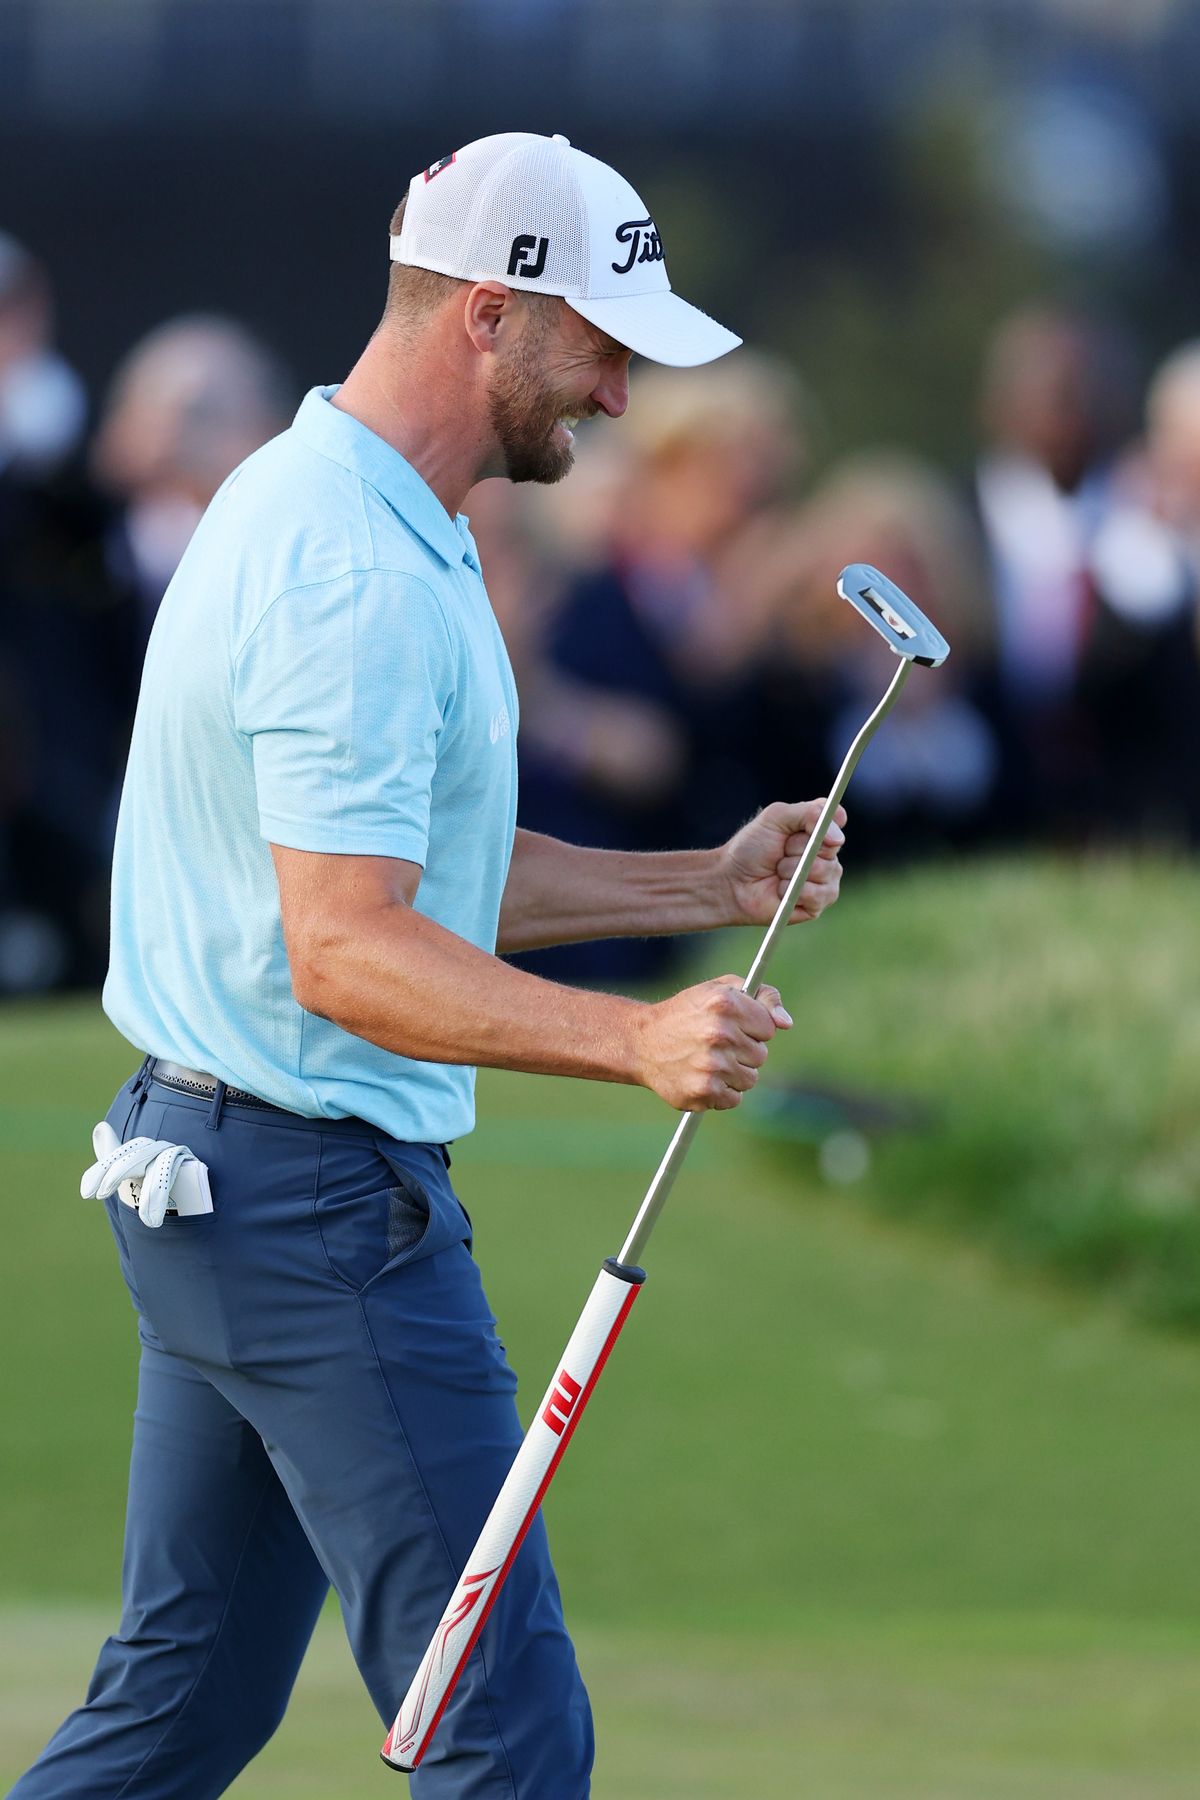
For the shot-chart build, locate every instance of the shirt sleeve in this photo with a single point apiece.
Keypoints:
(343, 688)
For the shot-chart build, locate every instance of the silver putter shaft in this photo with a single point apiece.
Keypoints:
(909, 633)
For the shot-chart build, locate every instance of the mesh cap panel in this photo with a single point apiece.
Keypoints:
(489, 213)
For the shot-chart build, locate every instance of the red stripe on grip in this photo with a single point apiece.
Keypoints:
(568, 1432)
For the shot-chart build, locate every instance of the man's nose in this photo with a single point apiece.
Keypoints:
(611, 393)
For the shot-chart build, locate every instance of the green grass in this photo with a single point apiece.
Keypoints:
(859, 1510)
(1049, 1013)
(915, 1712)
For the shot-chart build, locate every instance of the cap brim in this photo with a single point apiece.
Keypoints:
(660, 326)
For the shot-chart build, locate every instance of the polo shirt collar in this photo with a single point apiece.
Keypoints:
(348, 441)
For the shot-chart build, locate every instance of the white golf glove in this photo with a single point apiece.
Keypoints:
(150, 1175)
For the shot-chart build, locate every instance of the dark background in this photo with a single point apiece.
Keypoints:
(819, 163)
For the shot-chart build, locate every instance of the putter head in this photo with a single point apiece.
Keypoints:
(890, 611)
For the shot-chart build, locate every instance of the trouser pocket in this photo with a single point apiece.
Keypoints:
(407, 1214)
(370, 1213)
(425, 1168)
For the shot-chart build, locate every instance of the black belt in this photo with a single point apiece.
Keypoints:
(192, 1081)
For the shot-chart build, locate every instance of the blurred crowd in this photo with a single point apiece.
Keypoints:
(670, 609)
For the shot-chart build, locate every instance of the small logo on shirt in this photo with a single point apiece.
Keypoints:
(499, 726)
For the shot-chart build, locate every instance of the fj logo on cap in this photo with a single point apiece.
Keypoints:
(645, 245)
(528, 256)
(437, 167)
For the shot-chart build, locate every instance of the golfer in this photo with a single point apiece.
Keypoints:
(315, 867)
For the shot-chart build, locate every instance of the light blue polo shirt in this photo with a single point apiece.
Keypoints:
(325, 673)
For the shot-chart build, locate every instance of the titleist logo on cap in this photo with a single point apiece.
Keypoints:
(645, 245)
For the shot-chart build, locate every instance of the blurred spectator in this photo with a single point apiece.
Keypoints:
(42, 413)
(1057, 404)
(43, 406)
(82, 570)
(1173, 447)
(188, 404)
(1091, 609)
(930, 779)
(639, 731)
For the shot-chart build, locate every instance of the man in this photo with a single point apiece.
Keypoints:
(312, 873)
(1097, 690)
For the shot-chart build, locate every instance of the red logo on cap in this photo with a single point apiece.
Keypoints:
(437, 167)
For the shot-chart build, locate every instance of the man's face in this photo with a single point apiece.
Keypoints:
(560, 370)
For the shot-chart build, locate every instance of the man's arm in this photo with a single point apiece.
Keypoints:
(360, 956)
(563, 894)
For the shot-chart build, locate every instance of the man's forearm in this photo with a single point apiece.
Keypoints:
(404, 982)
(563, 894)
(361, 956)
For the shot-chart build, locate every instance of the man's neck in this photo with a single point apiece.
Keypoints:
(409, 397)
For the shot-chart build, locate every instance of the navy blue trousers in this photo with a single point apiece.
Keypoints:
(322, 1398)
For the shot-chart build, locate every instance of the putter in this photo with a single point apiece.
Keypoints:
(914, 640)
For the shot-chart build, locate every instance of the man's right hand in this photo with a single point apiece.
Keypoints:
(702, 1049)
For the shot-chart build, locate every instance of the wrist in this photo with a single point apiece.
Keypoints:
(692, 890)
(631, 1061)
(721, 889)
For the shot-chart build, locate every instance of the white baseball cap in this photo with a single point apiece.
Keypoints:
(537, 214)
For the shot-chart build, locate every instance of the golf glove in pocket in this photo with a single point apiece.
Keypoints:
(150, 1175)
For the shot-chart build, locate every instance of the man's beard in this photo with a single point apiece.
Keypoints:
(524, 414)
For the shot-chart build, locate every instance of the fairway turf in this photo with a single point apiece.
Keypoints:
(855, 1513)
(917, 1712)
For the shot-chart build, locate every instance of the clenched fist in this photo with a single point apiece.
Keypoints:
(758, 862)
(702, 1049)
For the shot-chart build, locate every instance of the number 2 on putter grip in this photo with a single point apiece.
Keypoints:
(914, 640)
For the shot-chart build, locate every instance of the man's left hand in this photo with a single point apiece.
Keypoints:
(759, 860)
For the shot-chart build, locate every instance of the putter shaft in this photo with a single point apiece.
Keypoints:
(664, 1178)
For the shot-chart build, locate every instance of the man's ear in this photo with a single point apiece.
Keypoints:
(491, 314)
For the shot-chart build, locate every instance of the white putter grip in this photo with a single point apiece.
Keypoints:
(516, 1504)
